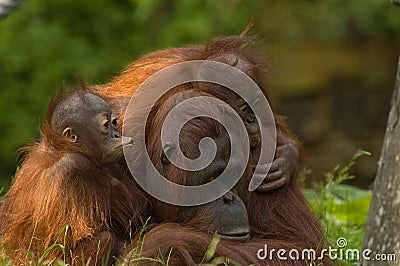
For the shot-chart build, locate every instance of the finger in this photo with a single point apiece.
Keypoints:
(277, 164)
(283, 149)
(273, 176)
(272, 185)
(262, 169)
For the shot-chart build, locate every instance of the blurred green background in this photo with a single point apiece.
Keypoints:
(332, 62)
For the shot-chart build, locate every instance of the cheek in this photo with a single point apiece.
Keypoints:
(112, 150)
(191, 215)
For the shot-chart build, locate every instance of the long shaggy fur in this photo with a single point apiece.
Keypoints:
(64, 196)
(279, 218)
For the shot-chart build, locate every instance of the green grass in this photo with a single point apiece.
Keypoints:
(342, 209)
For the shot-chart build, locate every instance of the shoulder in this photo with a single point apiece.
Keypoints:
(73, 164)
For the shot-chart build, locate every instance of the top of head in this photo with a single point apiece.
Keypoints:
(79, 117)
(78, 109)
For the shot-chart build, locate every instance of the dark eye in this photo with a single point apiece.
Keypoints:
(106, 124)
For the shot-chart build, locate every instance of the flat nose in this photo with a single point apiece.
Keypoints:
(115, 134)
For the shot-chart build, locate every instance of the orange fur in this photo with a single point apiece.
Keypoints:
(279, 218)
(57, 186)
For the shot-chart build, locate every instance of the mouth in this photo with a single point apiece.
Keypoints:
(125, 141)
(236, 237)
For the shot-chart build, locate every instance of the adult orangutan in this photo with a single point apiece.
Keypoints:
(187, 231)
(230, 50)
(277, 212)
(71, 198)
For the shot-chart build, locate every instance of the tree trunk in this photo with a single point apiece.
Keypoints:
(382, 234)
(6, 6)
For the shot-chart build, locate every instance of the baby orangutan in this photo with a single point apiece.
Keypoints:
(71, 190)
